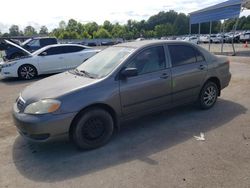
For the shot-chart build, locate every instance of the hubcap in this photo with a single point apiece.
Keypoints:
(27, 72)
(210, 95)
(93, 129)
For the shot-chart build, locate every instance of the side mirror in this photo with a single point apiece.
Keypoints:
(129, 72)
(43, 54)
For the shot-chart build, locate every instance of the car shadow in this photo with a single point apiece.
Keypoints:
(137, 140)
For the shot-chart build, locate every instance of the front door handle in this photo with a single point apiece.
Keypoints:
(164, 76)
(202, 67)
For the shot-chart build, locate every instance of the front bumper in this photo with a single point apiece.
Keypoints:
(42, 128)
(8, 72)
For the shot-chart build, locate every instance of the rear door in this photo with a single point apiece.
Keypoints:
(73, 56)
(189, 69)
(53, 61)
(152, 87)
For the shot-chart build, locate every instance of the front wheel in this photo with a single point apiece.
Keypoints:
(93, 129)
(27, 72)
(208, 95)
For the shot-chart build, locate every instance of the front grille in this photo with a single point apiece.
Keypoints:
(20, 104)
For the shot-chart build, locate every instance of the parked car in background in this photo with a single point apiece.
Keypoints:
(120, 83)
(192, 39)
(36, 43)
(214, 39)
(204, 39)
(245, 37)
(232, 37)
(47, 60)
(13, 50)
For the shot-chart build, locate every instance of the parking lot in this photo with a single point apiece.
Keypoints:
(156, 151)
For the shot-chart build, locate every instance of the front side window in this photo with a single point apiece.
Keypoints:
(181, 55)
(54, 51)
(149, 60)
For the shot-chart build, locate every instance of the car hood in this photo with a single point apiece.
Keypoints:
(55, 87)
(19, 47)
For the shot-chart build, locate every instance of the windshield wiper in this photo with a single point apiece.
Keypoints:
(83, 73)
(86, 73)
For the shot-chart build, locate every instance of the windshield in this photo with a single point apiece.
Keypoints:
(37, 52)
(25, 42)
(105, 61)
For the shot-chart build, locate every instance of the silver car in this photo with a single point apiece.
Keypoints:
(120, 83)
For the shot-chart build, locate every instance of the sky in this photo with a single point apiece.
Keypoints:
(51, 12)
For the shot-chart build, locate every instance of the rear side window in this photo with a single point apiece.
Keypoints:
(72, 49)
(184, 54)
(149, 60)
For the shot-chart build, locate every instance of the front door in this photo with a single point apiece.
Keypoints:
(152, 87)
(52, 60)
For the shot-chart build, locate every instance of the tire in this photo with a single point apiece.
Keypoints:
(208, 95)
(27, 72)
(92, 129)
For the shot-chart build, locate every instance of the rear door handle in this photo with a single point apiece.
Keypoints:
(164, 76)
(202, 67)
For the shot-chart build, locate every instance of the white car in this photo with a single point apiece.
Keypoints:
(192, 39)
(50, 59)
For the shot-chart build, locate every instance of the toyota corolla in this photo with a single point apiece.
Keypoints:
(120, 83)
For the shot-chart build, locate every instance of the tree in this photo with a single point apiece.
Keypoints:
(91, 28)
(108, 26)
(43, 30)
(29, 31)
(102, 33)
(85, 35)
(72, 26)
(181, 24)
(164, 30)
(62, 25)
(14, 30)
(118, 31)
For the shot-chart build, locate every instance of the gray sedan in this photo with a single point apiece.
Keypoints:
(120, 83)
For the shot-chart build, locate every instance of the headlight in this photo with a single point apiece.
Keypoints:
(43, 107)
(8, 64)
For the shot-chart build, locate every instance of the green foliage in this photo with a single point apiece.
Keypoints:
(102, 33)
(29, 31)
(164, 30)
(14, 30)
(159, 25)
(43, 30)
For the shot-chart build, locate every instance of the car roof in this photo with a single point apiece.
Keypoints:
(59, 45)
(42, 38)
(145, 43)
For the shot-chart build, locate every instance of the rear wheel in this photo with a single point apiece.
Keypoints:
(27, 72)
(93, 129)
(208, 95)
